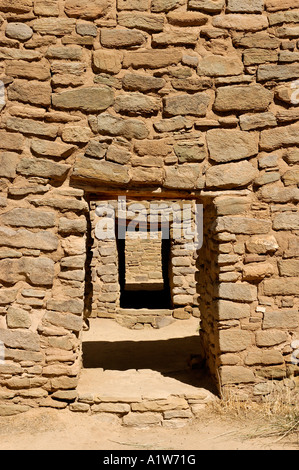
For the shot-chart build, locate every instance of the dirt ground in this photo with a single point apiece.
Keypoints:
(49, 429)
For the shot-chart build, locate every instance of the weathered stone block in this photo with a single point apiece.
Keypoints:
(14, 270)
(228, 310)
(11, 141)
(107, 61)
(230, 175)
(20, 217)
(22, 238)
(64, 52)
(287, 319)
(274, 5)
(243, 225)
(188, 176)
(173, 124)
(75, 226)
(138, 5)
(37, 70)
(18, 318)
(118, 408)
(250, 122)
(246, 6)
(64, 320)
(18, 6)
(101, 171)
(209, 6)
(239, 292)
(142, 82)
(8, 164)
(91, 99)
(286, 221)
(188, 152)
(242, 98)
(219, 66)
(19, 31)
(31, 127)
(194, 105)
(142, 419)
(289, 267)
(7, 296)
(46, 8)
(270, 338)
(158, 147)
(159, 6)
(277, 72)
(234, 340)
(291, 177)
(128, 128)
(56, 149)
(262, 245)
(33, 92)
(13, 409)
(8, 53)
(259, 56)
(20, 339)
(278, 194)
(172, 403)
(175, 38)
(282, 286)
(43, 168)
(241, 22)
(236, 374)
(151, 23)
(85, 9)
(231, 205)
(76, 134)
(229, 145)
(67, 306)
(54, 26)
(122, 38)
(186, 18)
(276, 138)
(155, 59)
(264, 358)
(136, 103)
(257, 271)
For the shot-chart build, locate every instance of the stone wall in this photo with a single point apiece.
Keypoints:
(144, 262)
(168, 98)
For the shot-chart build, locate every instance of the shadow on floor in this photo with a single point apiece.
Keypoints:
(176, 358)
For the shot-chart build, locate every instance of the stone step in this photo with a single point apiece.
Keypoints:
(132, 312)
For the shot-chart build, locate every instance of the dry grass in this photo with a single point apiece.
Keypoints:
(276, 415)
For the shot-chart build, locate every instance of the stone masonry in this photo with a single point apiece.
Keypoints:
(168, 99)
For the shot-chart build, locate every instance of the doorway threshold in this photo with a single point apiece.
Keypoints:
(143, 377)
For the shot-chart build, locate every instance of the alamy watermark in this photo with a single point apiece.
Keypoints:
(176, 221)
(2, 353)
(295, 353)
(295, 93)
(2, 94)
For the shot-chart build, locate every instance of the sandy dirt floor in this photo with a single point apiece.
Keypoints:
(48, 429)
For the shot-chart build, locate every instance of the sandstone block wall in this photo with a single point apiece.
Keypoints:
(144, 262)
(173, 98)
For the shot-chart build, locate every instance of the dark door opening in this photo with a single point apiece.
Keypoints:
(145, 295)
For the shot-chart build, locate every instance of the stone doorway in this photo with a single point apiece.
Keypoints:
(144, 270)
(142, 350)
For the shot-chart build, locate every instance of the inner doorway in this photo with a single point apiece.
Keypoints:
(144, 269)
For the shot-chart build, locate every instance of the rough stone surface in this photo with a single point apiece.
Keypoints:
(92, 99)
(183, 102)
(242, 98)
(231, 175)
(228, 145)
